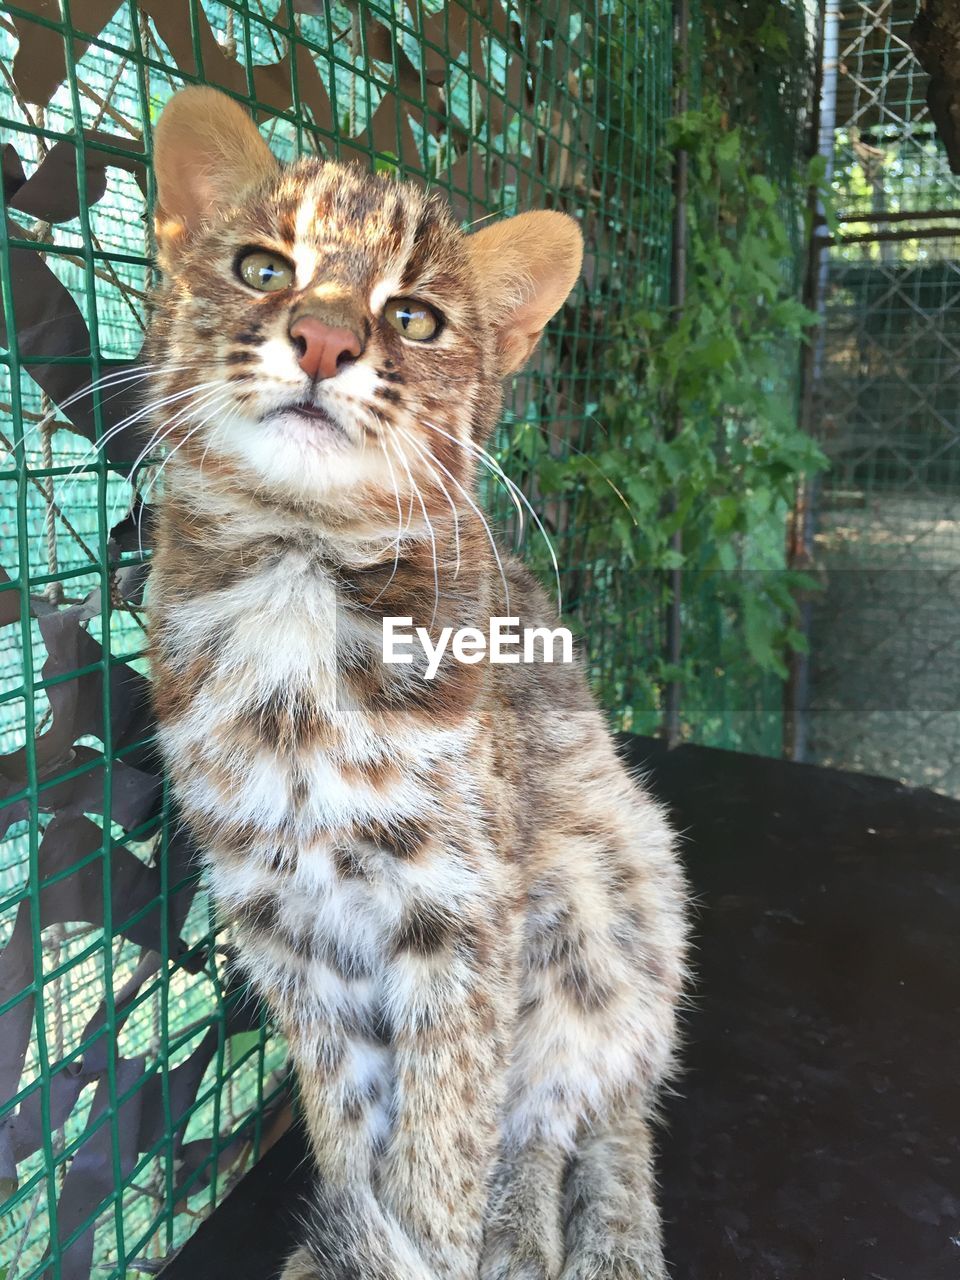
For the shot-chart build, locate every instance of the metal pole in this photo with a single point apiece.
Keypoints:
(800, 536)
(886, 237)
(898, 215)
(678, 293)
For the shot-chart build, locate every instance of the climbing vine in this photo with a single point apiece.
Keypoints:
(700, 430)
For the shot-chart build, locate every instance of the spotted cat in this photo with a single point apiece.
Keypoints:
(465, 917)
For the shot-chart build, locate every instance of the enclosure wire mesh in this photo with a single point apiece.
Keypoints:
(137, 1080)
(885, 666)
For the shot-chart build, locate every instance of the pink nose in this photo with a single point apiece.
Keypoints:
(322, 349)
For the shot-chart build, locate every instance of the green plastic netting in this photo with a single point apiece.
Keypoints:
(135, 1083)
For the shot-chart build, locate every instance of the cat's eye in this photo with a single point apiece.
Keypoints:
(413, 319)
(264, 271)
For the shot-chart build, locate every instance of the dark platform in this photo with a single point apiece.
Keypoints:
(817, 1131)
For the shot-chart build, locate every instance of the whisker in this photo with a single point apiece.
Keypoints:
(433, 536)
(208, 391)
(443, 489)
(498, 473)
(482, 518)
(396, 541)
(203, 401)
(72, 477)
(219, 427)
(140, 550)
(495, 469)
(213, 435)
(217, 408)
(108, 380)
(485, 218)
(94, 446)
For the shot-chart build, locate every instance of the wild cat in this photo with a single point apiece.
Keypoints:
(464, 915)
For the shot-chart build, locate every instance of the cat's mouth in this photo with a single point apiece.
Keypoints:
(306, 412)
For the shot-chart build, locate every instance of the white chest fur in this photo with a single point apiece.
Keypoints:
(269, 643)
(322, 942)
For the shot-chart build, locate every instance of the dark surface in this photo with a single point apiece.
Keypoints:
(815, 1130)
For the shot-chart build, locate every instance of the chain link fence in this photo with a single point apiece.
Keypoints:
(884, 691)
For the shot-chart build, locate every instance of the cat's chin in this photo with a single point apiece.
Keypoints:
(306, 456)
(307, 426)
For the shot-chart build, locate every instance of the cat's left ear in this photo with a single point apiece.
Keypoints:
(525, 268)
(207, 154)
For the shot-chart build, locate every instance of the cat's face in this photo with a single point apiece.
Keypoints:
(325, 333)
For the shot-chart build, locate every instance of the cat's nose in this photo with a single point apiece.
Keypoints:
(322, 349)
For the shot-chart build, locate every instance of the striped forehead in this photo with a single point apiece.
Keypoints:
(336, 223)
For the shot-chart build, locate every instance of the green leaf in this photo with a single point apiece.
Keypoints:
(759, 628)
(797, 641)
(763, 189)
(726, 514)
(718, 352)
(240, 1045)
(387, 162)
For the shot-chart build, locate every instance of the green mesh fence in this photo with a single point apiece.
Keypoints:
(136, 1082)
(884, 685)
(757, 61)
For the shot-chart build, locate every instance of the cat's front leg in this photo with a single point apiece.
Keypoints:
(451, 1003)
(348, 1235)
(523, 1235)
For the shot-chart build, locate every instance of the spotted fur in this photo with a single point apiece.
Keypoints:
(465, 917)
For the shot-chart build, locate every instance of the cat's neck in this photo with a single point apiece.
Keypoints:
(437, 569)
(222, 510)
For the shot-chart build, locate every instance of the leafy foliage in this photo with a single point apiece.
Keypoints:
(701, 432)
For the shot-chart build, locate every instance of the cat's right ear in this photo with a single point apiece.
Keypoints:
(207, 154)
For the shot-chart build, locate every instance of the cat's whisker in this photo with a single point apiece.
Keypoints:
(396, 492)
(143, 504)
(164, 430)
(568, 444)
(606, 480)
(107, 381)
(151, 482)
(483, 520)
(511, 488)
(495, 469)
(495, 213)
(95, 446)
(443, 489)
(180, 443)
(115, 377)
(208, 391)
(75, 474)
(433, 537)
(140, 550)
(213, 435)
(397, 539)
(498, 473)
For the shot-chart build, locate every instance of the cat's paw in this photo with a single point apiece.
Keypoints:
(300, 1266)
(505, 1258)
(515, 1269)
(614, 1265)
